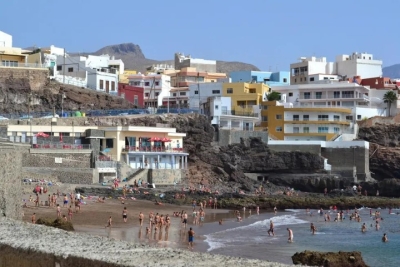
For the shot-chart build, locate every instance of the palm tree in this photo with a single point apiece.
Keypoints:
(274, 96)
(389, 97)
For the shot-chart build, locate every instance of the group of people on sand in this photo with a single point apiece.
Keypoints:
(68, 201)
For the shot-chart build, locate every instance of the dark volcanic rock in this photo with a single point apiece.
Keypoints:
(329, 259)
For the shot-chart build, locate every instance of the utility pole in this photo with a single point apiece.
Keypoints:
(29, 116)
(64, 68)
(198, 90)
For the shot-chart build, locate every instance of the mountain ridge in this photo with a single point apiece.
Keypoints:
(392, 71)
(133, 57)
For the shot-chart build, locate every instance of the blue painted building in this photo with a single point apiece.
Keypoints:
(270, 78)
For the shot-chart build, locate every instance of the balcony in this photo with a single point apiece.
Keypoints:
(175, 150)
(239, 113)
(22, 65)
(325, 121)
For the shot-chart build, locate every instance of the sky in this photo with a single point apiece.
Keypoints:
(270, 34)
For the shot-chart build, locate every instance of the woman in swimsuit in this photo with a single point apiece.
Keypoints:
(125, 215)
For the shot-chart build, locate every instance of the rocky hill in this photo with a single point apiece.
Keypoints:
(16, 85)
(133, 58)
(392, 71)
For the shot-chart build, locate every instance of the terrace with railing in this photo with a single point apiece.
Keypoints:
(13, 64)
(154, 149)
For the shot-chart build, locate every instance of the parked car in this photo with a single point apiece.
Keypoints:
(50, 116)
(25, 117)
(3, 118)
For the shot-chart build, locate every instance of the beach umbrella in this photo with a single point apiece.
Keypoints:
(154, 139)
(164, 139)
(42, 135)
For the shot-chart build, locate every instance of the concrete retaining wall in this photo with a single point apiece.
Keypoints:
(57, 159)
(63, 175)
(165, 176)
(227, 137)
(316, 149)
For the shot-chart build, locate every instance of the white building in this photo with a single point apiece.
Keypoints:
(186, 61)
(5, 39)
(200, 92)
(314, 69)
(93, 72)
(219, 110)
(156, 87)
(116, 64)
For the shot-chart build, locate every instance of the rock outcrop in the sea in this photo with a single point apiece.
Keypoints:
(329, 259)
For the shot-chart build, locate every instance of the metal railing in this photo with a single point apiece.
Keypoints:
(239, 113)
(154, 149)
(106, 164)
(61, 146)
(22, 65)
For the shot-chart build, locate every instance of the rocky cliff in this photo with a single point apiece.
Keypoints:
(17, 84)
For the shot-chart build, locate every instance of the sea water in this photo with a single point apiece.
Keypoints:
(250, 239)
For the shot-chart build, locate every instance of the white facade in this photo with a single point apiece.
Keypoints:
(199, 93)
(117, 64)
(156, 87)
(218, 109)
(5, 39)
(92, 72)
(345, 66)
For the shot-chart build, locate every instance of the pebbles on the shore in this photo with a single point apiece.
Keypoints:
(28, 237)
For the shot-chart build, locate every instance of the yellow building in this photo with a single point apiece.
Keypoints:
(123, 78)
(285, 122)
(245, 95)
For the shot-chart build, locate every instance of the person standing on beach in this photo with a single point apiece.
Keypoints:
(58, 211)
(141, 217)
(290, 239)
(191, 238)
(271, 229)
(258, 210)
(109, 222)
(185, 216)
(33, 218)
(125, 215)
(70, 213)
(215, 203)
(275, 210)
(363, 228)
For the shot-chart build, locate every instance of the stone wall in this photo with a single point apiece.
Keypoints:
(47, 158)
(227, 137)
(316, 149)
(63, 175)
(10, 182)
(165, 176)
(34, 79)
(343, 161)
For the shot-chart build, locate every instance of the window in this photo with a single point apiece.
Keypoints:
(196, 92)
(136, 100)
(348, 94)
(70, 69)
(323, 117)
(113, 86)
(290, 94)
(326, 78)
(349, 118)
(264, 118)
(136, 83)
(78, 134)
(295, 80)
(229, 90)
(306, 129)
(318, 95)
(336, 117)
(101, 85)
(157, 93)
(265, 107)
(157, 83)
(311, 79)
(307, 95)
(216, 92)
(174, 94)
(278, 129)
(278, 116)
(336, 130)
(216, 106)
(296, 129)
(182, 93)
(306, 117)
(59, 67)
(358, 117)
(284, 80)
(296, 117)
(107, 86)
(147, 84)
(146, 94)
(323, 129)
(109, 143)
(336, 94)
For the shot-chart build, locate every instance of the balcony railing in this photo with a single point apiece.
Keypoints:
(154, 149)
(239, 113)
(106, 164)
(22, 65)
(61, 146)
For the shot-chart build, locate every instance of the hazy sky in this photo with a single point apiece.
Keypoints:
(270, 34)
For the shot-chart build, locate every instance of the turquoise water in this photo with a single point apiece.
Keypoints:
(250, 239)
